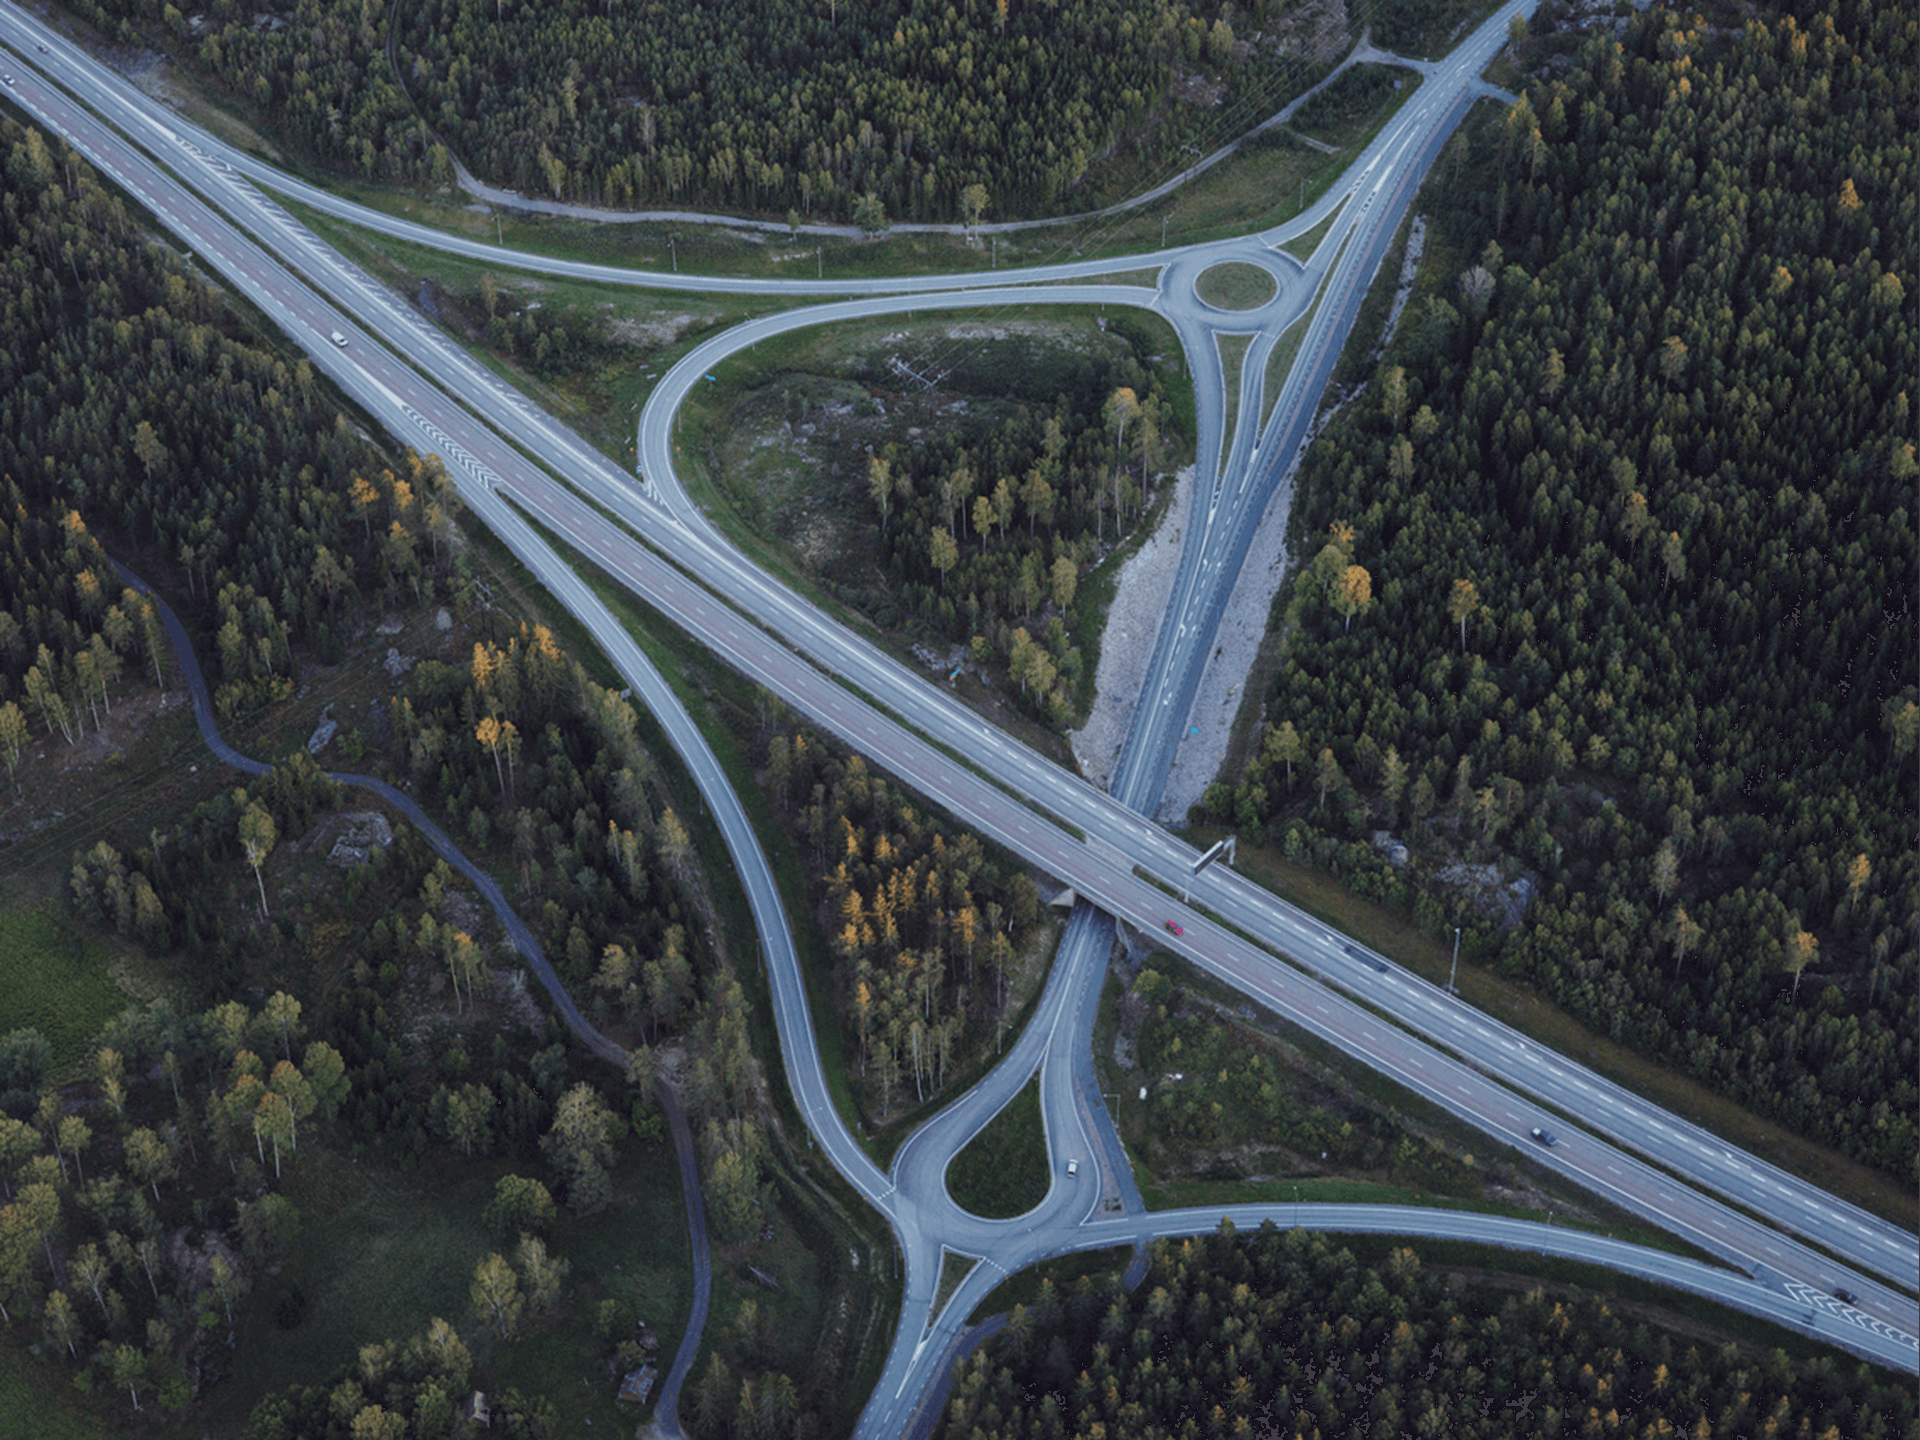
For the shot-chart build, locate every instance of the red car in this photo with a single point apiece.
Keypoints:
(1175, 928)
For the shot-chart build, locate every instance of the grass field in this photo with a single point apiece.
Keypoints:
(1236, 286)
(55, 980)
(26, 1414)
(383, 1251)
(954, 1268)
(1003, 1171)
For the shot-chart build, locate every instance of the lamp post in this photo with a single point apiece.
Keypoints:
(1296, 1207)
(1455, 968)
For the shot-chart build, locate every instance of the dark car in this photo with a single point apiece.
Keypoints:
(1545, 1137)
(1175, 928)
(1846, 1297)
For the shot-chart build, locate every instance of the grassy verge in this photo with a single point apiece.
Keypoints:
(1003, 1171)
(954, 1268)
(1269, 180)
(1280, 359)
(1233, 354)
(1448, 1164)
(603, 402)
(1365, 340)
(1303, 246)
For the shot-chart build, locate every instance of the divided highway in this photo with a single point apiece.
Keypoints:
(848, 687)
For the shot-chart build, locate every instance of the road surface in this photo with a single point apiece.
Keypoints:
(417, 388)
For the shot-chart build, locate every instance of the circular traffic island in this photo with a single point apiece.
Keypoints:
(1236, 285)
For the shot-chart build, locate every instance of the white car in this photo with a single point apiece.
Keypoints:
(338, 339)
(1073, 1168)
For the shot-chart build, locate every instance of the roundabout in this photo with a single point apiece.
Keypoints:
(1236, 285)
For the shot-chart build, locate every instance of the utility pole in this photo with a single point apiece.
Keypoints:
(1163, 232)
(674, 249)
(1456, 962)
(1296, 1207)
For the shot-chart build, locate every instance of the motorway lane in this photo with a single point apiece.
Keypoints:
(372, 377)
(1851, 1233)
(993, 745)
(1208, 573)
(981, 805)
(1454, 1086)
(72, 64)
(699, 617)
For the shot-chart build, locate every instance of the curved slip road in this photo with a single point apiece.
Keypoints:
(1070, 1127)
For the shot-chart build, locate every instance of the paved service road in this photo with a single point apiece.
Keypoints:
(435, 397)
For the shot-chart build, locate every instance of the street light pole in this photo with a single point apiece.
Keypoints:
(1296, 1207)
(1454, 969)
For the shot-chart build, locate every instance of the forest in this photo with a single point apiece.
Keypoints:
(1608, 577)
(142, 1191)
(1285, 1333)
(922, 923)
(935, 111)
(988, 539)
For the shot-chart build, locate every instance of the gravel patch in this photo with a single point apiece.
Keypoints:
(1140, 598)
(1126, 645)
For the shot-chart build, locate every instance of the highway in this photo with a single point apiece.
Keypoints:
(736, 609)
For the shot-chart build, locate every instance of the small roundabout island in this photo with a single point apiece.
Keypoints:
(1236, 285)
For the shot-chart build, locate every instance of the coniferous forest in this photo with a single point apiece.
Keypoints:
(144, 1184)
(1635, 501)
(744, 104)
(1285, 1334)
(985, 525)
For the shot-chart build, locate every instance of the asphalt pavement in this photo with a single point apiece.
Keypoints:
(923, 1215)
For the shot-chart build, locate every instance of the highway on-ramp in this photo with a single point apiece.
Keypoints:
(490, 468)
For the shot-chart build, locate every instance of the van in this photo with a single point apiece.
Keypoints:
(338, 339)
